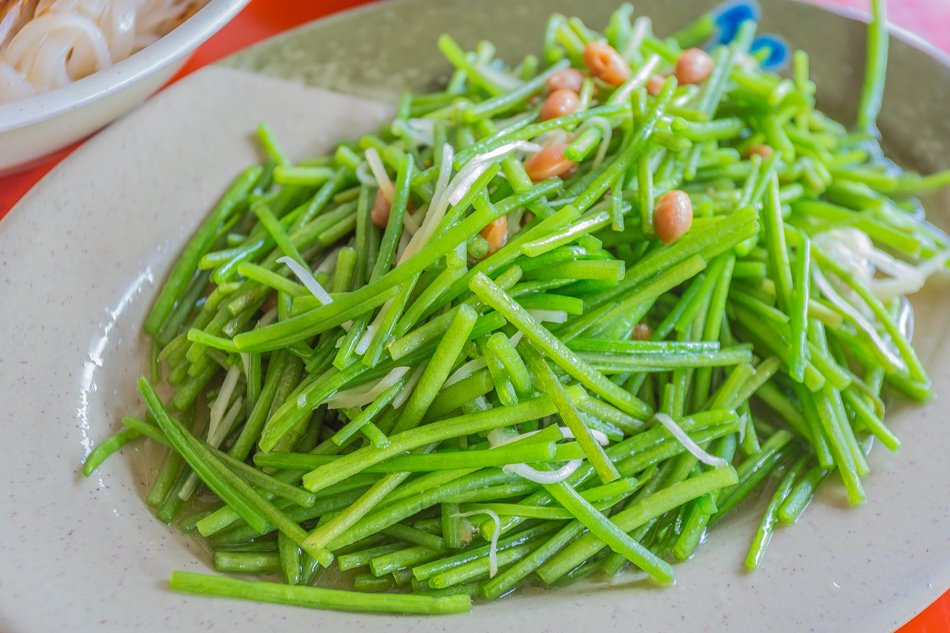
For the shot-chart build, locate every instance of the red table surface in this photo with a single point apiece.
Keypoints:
(263, 18)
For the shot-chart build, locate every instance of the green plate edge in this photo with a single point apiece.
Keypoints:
(378, 50)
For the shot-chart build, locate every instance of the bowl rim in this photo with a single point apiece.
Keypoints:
(174, 45)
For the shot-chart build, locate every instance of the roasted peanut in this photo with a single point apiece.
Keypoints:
(496, 233)
(566, 79)
(380, 213)
(655, 85)
(642, 332)
(548, 163)
(605, 63)
(693, 66)
(559, 103)
(763, 151)
(672, 216)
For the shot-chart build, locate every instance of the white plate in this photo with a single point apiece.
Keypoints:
(80, 259)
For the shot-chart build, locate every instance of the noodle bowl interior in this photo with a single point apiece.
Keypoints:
(46, 44)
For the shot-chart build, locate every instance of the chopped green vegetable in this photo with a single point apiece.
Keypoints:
(455, 354)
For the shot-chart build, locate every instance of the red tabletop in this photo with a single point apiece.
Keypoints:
(263, 18)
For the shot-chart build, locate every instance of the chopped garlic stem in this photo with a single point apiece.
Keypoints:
(546, 476)
(307, 279)
(493, 547)
(375, 164)
(688, 443)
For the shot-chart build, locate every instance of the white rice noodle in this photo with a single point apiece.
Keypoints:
(13, 85)
(379, 173)
(403, 395)
(544, 476)
(464, 371)
(855, 315)
(551, 316)
(688, 443)
(162, 14)
(118, 23)
(56, 48)
(493, 547)
(145, 39)
(307, 279)
(365, 394)
(436, 209)
(13, 19)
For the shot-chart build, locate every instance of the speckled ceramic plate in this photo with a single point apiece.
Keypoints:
(81, 255)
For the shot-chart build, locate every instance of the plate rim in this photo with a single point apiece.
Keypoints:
(376, 5)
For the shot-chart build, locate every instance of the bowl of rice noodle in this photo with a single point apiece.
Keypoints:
(69, 67)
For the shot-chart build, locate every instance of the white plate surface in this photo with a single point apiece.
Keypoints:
(80, 259)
